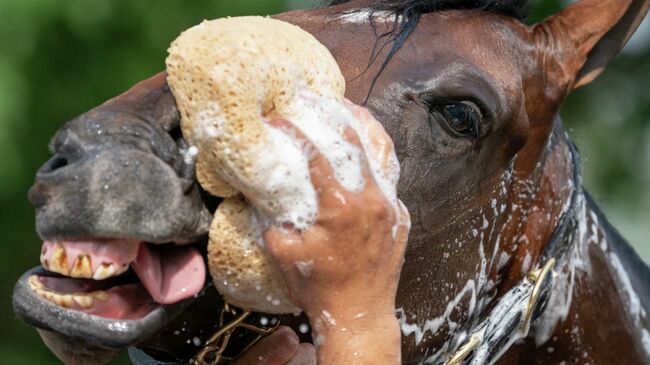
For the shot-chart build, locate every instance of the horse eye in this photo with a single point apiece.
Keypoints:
(461, 119)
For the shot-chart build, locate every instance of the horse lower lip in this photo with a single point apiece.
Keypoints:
(114, 300)
(104, 332)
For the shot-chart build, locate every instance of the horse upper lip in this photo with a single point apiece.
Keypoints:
(37, 196)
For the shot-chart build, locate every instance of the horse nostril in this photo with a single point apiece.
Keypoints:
(56, 162)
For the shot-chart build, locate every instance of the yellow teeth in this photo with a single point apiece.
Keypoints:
(82, 268)
(63, 300)
(82, 300)
(34, 283)
(105, 271)
(101, 295)
(59, 261)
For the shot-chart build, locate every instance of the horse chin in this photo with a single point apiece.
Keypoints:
(76, 337)
(74, 351)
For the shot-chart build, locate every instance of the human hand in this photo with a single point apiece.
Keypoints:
(344, 270)
(282, 347)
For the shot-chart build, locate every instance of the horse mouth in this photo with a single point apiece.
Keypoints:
(111, 292)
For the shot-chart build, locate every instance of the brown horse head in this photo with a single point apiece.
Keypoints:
(470, 95)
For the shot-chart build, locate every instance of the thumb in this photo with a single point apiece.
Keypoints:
(283, 244)
(275, 349)
(403, 227)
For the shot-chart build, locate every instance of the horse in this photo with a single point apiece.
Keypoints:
(509, 260)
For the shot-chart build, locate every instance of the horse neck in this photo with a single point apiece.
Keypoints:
(600, 299)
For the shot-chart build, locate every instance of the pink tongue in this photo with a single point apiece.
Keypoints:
(170, 274)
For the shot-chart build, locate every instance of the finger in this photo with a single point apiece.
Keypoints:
(379, 146)
(370, 136)
(322, 174)
(352, 137)
(306, 355)
(275, 349)
(361, 113)
(283, 244)
(403, 226)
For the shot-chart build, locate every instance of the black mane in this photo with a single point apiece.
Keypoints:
(514, 8)
(408, 12)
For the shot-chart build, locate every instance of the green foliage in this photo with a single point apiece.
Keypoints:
(60, 58)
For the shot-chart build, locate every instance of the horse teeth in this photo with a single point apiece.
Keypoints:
(121, 269)
(67, 300)
(104, 271)
(82, 267)
(59, 261)
(34, 283)
(101, 295)
(84, 301)
(64, 300)
(46, 294)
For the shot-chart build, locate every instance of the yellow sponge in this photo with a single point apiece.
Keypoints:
(227, 74)
(231, 75)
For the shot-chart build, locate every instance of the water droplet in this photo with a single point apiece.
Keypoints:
(196, 341)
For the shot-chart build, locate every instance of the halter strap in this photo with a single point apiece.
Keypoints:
(511, 317)
(508, 322)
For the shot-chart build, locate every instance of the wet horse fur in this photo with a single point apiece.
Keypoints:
(470, 95)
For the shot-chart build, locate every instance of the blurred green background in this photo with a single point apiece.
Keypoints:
(59, 58)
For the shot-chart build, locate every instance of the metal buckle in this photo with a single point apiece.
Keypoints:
(538, 277)
(212, 353)
(461, 354)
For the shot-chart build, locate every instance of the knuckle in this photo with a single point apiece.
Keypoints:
(379, 209)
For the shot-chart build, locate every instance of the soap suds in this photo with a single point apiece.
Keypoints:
(433, 325)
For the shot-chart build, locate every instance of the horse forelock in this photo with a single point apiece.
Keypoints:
(513, 8)
(407, 15)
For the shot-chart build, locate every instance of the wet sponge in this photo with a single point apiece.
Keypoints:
(241, 270)
(228, 76)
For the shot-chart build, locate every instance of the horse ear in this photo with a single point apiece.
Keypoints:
(585, 36)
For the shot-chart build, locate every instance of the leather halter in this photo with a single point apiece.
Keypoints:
(511, 317)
